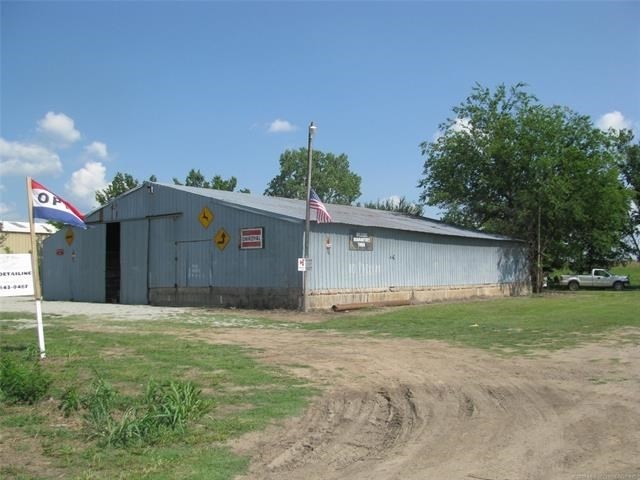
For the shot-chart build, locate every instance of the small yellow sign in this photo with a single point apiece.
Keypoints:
(221, 239)
(69, 236)
(205, 217)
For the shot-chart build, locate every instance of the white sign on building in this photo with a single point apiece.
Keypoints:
(16, 276)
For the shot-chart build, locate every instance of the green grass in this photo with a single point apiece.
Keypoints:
(243, 395)
(508, 325)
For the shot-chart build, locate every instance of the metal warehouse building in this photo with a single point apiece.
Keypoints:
(165, 244)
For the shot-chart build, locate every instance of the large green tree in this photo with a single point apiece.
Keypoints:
(331, 177)
(630, 167)
(507, 164)
(121, 183)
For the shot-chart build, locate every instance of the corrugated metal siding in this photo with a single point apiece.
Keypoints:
(405, 259)
(182, 251)
(162, 227)
(162, 251)
(79, 277)
(133, 262)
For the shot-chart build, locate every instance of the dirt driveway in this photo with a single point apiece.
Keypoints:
(403, 409)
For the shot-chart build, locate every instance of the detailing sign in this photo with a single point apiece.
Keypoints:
(15, 275)
(251, 238)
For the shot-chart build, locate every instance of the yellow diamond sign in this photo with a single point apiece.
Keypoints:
(68, 236)
(221, 239)
(205, 217)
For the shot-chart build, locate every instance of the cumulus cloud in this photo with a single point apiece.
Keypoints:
(461, 125)
(97, 150)
(84, 182)
(613, 120)
(281, 126)
(27, 159)
(59, 127)
(458, 125)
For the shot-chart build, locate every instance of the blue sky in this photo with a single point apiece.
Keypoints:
(157, 87)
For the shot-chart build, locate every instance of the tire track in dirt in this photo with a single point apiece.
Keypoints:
(400, 409)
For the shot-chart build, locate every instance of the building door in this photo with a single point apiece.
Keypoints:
(112, 264)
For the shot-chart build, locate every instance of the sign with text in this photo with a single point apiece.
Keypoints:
(304, 264)
(360, 241)
(251, 238)
(16, 277)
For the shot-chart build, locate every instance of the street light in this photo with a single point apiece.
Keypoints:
(305, 274)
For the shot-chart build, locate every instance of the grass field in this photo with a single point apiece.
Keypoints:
(241, 394)
(507, 325)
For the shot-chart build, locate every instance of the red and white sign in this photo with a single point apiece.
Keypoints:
(251, 238)
(304, 264)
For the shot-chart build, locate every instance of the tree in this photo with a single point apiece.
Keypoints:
(401, 205)
(3, 240)
(121, 183)
(331, 177)
(507, 164)
(195, 178)
(630, 167)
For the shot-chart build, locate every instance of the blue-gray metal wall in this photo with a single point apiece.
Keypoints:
(163, 244)
(76, 271)
(408, 259)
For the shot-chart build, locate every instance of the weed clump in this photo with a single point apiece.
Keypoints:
(22, 379)
(165, 409)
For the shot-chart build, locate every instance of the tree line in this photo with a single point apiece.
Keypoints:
(504, 163)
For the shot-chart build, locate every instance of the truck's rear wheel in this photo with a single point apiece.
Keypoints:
(618, 286)
(573, 286)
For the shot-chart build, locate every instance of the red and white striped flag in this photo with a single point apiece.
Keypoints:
(48, 206)
(322, 216)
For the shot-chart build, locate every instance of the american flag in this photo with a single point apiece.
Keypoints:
(322, 216)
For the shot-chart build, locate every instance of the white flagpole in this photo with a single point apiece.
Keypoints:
(36, 271)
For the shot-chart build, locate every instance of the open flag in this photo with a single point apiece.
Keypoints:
(322, 216)
(48, 206)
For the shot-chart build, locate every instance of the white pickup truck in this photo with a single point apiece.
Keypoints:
(599, 278)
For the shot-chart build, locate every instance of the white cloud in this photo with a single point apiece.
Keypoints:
(613, 120)
(393, 200)
(461, 125)
(6, 208)
(97, 150)
(27, 159)
(60, 127)
(458, 125)
(86, 181)
(281, 126)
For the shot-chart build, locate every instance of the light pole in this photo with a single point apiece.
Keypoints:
(307, 218)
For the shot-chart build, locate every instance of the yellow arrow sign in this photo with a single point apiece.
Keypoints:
(221, 239)
(205, 217)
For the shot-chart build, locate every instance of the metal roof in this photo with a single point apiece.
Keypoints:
(23, 227)
(358, 216)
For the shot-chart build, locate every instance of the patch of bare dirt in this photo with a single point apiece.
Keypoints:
(403, 409)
